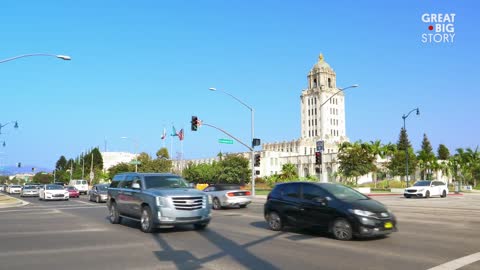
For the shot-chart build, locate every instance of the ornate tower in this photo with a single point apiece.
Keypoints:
(322, 109)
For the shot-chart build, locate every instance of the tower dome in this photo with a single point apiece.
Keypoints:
(321, 64)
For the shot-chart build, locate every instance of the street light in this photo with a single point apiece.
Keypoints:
(406, 146)
(136, 148)
(324, 175)
(252, 151)
(59, 56)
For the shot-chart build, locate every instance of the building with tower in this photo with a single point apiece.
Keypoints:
(322, 118)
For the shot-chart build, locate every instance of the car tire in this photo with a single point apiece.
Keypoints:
(274, 221)
(97, 200)
(342, 229)
(146, 220)
(200, 226)
(444, 194)
(216, 205)
(427, 194)
(115, 217)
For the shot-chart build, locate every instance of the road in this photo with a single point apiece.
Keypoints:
(77, 235)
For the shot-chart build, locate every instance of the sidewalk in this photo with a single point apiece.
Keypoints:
(7, 201)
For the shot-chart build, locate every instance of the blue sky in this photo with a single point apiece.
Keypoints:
(140, 66)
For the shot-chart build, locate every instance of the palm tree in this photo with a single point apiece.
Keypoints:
(378, 151)
(289, 171)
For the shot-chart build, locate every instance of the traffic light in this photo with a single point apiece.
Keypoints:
(194, 123)
(19, 164)
(318, 157)
(257, 160)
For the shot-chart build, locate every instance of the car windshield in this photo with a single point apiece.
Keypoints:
(29, 187)
(227, 187)
(344, 193)
(71, 188)
(102, 188)
(165, 181)
(54, 187)
(422, 184)
(16, 186)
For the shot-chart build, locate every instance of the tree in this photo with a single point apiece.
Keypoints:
(234, 169)
(203, 173)
(443, 153)
(120, 168)
(43, 178)
(397, 164)
(162, 153)
(289, 172)
(61, 164)
(355, 160)
(426, 159)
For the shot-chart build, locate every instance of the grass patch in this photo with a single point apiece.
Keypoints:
(262, 191)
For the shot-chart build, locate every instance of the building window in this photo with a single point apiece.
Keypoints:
(329, 83)
(315, 111)
(316, 133)
(314, 82)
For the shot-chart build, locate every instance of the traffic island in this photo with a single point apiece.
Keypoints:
(8, 201)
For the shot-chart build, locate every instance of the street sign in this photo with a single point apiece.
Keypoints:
(135, 162)
(226, 141)
(320, 146)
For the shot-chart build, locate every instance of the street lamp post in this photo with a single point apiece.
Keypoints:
(406, 146)
(59, 56)
(322, 134)
(1, 126)
(136, 148)
(252, 151)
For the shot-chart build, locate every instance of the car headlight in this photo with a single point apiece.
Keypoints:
(420, 190)
(161, 201)
(362, 213)
(209, 199)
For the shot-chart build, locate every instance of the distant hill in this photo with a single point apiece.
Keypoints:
(12, 170)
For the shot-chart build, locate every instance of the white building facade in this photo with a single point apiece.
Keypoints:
(111, 159)
(322, 118)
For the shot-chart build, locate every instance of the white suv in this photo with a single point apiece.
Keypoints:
(427, 188)
(81, 185)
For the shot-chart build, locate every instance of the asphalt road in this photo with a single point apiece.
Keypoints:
(77, 235)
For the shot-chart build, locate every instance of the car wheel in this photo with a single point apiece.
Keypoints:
(444, 194)
(97, 200)
(146, 220)
(427, 194)
(342, 230)
(115, 217)
(274, 221)
(200, 226)
(216, 204)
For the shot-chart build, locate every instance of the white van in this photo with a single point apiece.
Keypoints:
(81, 185)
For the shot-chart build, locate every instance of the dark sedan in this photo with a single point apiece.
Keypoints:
(98, 193)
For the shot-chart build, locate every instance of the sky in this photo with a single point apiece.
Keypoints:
(139, 67)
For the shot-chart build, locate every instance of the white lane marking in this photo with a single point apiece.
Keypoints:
(89, 203)
(51, 232)
(70, 250)
(29, 210)
(458, 263)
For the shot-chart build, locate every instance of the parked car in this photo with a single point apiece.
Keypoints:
(53, 192)
(81, 185)
(98, 193)
(29, 191)
(14, 189)
(72, 192)
(227, 195)
(427, 188)
(157, 200)
(330, 207)
(3, 187)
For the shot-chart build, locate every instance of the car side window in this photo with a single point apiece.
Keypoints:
(311, 192)
(291, 191)
(127, 183)
(137, 179)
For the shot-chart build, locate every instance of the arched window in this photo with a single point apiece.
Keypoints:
(314, 83)
(329, 83)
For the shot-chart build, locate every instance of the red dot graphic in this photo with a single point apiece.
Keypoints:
(430, 27)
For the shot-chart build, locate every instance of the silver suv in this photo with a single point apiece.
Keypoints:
(157, 200)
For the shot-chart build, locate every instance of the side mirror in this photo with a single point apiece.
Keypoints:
(135, 186)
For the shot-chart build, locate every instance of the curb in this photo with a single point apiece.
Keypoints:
(401, 195)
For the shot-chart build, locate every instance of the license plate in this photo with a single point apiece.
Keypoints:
(388, 225)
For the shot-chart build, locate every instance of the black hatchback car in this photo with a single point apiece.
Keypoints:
(330, 207)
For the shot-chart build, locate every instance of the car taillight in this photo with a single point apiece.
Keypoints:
(247, 193)
(230, 194)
